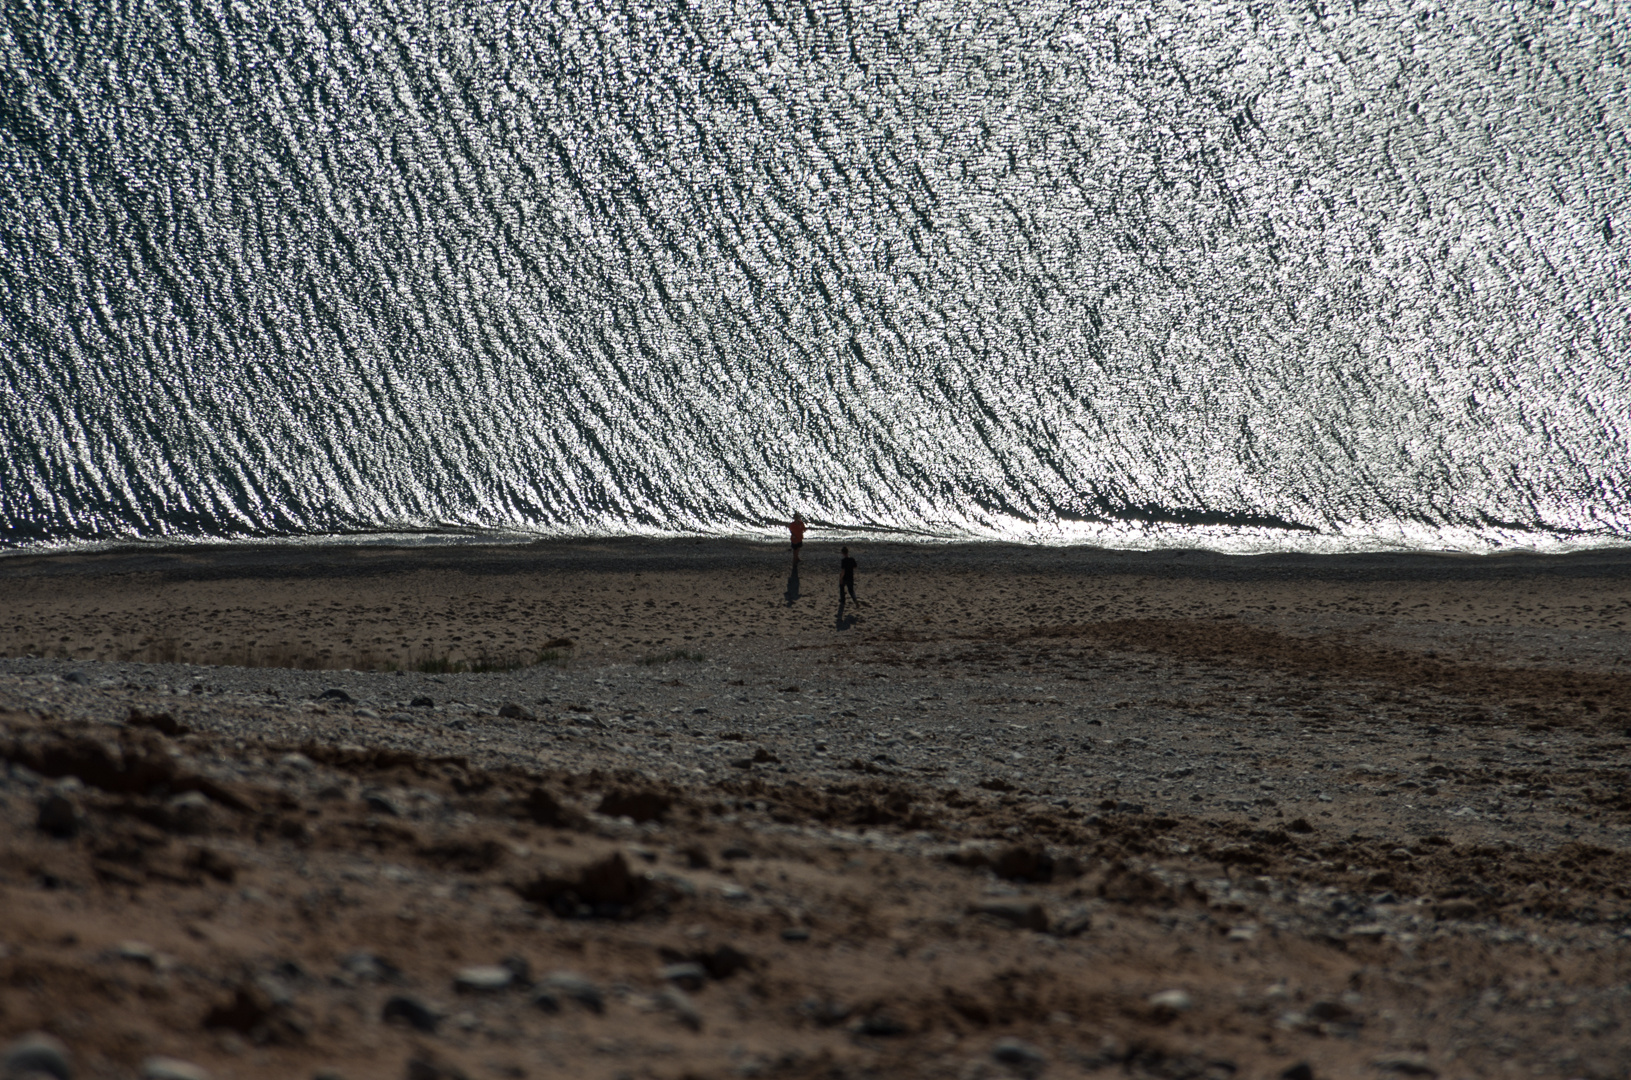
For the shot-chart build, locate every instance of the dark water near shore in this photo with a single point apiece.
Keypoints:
(1249, 277)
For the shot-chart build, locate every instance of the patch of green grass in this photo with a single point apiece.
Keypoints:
(671, 656)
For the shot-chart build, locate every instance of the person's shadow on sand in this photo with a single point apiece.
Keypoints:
(792, 586)
(846, 621)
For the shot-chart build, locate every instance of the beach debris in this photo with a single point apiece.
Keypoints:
(409, 1010)
(36, 1055)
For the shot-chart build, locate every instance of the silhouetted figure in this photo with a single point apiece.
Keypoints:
(846, 579)
(796, 528)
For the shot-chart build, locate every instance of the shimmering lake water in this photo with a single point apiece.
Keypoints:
(1244, 276)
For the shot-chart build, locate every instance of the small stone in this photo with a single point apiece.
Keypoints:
(570, 986)
(688, 975)
(334, 693)
(366, 967)
(483, 979)
(1171, 1002)
(795, 933)
(382, 804)
(423, 1066)
(36, 1054)
(58, 816)
(79, 678)
(511, 711)
(1300, 1071)
(422, 702)
(1408, 1064)
(296, 762)
(137, 952)
(1020, 1056)
(168, 1068)
(402, 718)
(411, 1011)
(1019, 914)
(675, 1001)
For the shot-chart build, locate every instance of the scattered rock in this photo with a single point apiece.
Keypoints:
(560, 986)
(795, 933)
(425, 1066)
(879, 1025)
(1300, 1071)
(483, 979)
(1019, 914)
(168, 1068)
(544, 809)
(1024, 1058)
(368, 968)
(422, 702)
(641, 806)
(36, 1055)
(1408, 1064)
(334, 693)
(409, 1010)
(1023, 862)
(161, 722)
(604, 888)
(260, 1010)
(511, 711)
(691, 976)
(1455, 909)
(674, 1001)
(58, 816)
(381, 803)
(1170, 1003)
(402, 718)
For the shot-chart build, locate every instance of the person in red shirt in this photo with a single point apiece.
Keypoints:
(796, 527)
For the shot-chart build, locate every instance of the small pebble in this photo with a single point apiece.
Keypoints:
(167, 1068)
(1172, 1001)
(690, 976)
(1020, 1055)
(483, 979)
(36, 1054)
(411, 1011)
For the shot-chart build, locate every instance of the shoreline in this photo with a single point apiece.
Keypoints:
(1021, 813)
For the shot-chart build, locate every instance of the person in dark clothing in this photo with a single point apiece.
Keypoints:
(846, 579)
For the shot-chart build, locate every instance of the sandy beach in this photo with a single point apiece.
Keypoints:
(1022, 812)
